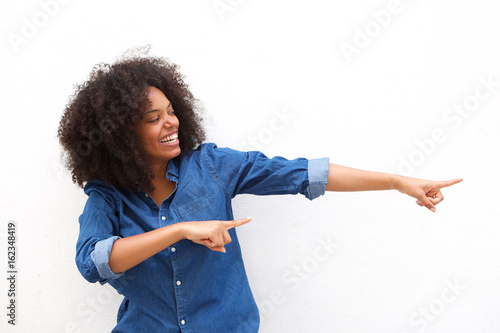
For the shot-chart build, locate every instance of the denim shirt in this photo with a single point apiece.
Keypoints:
(187, 287)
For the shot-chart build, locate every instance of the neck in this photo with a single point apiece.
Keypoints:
(159, 170)
(163, 187)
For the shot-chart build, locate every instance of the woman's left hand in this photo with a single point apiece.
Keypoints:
(427, 192)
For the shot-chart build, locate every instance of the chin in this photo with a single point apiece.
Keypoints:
(177, 152)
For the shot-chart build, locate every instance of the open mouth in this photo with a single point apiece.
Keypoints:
(169, 139)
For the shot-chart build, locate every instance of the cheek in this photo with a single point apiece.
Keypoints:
(146, 139)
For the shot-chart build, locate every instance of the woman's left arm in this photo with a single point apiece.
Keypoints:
(427, 192)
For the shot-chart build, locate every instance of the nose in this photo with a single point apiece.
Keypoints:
(171, 121)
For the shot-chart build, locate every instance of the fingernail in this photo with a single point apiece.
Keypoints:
(433, 209)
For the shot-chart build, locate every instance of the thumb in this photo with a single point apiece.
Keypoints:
(425, 201)
(210, 245)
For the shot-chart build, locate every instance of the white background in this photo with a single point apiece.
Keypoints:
(395, 267)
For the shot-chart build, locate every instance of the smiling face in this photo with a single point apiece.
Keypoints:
(158, 129)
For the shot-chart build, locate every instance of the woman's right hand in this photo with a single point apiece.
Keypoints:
(212, 234)
(132, 250)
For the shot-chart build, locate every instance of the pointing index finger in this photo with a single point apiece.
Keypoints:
(237, 223)
(447, 183)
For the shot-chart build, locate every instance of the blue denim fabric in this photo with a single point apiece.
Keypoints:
(187, 287)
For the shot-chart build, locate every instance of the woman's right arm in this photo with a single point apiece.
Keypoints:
(130, 251)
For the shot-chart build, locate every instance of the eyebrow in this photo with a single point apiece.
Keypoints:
(155, 110)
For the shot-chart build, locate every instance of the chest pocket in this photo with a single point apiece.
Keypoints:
(197, 205)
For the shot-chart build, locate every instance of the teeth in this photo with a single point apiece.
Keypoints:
(170, 138)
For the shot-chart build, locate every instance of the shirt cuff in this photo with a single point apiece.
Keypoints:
(317, 172)
(100, 257)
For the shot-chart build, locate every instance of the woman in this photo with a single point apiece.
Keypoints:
(158, 224)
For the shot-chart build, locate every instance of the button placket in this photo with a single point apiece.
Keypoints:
(179, 294)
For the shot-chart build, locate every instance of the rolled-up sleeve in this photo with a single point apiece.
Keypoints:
(317, 172)
(100, 258)
(99, 229)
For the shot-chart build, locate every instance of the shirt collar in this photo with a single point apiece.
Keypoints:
(173, 169)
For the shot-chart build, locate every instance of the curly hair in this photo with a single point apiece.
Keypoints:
(98, 126)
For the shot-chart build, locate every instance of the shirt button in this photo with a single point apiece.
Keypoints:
(178, 283)
(146, 195)
(172, 249)
(163, 218)
(183, 322)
